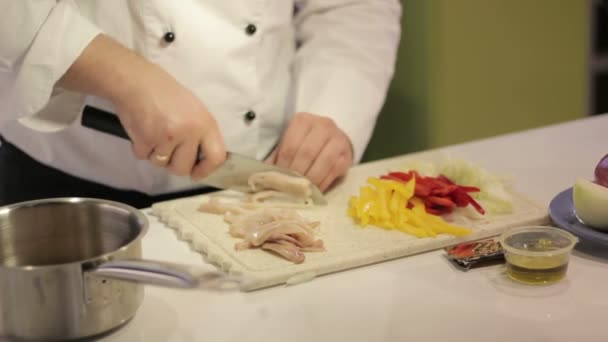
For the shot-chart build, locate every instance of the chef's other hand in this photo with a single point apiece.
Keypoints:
(314, 146)
(164, 120)
(167, 124)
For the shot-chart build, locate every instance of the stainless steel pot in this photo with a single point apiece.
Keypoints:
(72, 268)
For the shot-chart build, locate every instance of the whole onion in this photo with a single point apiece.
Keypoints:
(601, 172)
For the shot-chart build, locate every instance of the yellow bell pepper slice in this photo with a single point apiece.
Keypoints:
(383, 203)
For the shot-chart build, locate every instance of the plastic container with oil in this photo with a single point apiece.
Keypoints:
(537, 255)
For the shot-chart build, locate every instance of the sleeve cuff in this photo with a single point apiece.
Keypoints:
(60, 41)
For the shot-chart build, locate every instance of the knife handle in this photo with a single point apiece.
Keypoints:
(100, 120)
(103, 121)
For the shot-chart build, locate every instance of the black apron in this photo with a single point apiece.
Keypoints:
(22, 179)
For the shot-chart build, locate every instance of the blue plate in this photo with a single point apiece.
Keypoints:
(561, 211)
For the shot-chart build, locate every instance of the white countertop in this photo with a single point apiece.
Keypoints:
(418, 298)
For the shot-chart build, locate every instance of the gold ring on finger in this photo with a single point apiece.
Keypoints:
(161, 157)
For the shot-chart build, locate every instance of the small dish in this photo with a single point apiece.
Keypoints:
(537, 255)
(562, 213)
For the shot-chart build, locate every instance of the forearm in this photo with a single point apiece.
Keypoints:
(346, 61)
(39, 40)
(105, 69)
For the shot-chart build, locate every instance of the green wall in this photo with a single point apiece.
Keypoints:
(469, 69)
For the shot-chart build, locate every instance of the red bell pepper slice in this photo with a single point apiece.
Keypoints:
(445, 190)
(434, 211)
(474, 203)
(389, 177)
(446, 179)
(405, 177)
(469, 188)
(422, 190)
(441, 201)
(439, 194)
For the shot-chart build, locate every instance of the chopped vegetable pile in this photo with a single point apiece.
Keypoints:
(392, 204)
(493, 195)
(421, 196)
(439, 194)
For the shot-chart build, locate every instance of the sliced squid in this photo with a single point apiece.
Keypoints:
(282, 231)
(267, 218)
(287, 251)
(272, 180)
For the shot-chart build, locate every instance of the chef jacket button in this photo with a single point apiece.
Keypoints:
(251, 29)
(169, 37)
(250, 116)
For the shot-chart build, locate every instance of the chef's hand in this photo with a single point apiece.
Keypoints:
(314, 146)
(167, 124)
(164, 120)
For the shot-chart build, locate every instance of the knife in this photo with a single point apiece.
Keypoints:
(233, 174)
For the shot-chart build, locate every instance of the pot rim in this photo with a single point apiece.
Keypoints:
(96, 259)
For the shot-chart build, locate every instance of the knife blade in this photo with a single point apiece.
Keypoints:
(233, 174)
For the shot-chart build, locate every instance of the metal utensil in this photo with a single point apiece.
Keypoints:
(72, 267)
(233, 174)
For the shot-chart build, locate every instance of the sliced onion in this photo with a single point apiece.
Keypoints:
(601, 172)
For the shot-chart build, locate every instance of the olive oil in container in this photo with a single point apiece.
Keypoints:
(537, 255)
(532, 270)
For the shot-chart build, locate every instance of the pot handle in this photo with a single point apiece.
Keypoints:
(167, 275)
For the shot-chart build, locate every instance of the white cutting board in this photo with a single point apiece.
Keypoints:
(347, 244)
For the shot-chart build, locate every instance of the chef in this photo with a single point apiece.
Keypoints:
(296, 83)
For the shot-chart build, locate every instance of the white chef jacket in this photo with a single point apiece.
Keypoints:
(274, 57)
